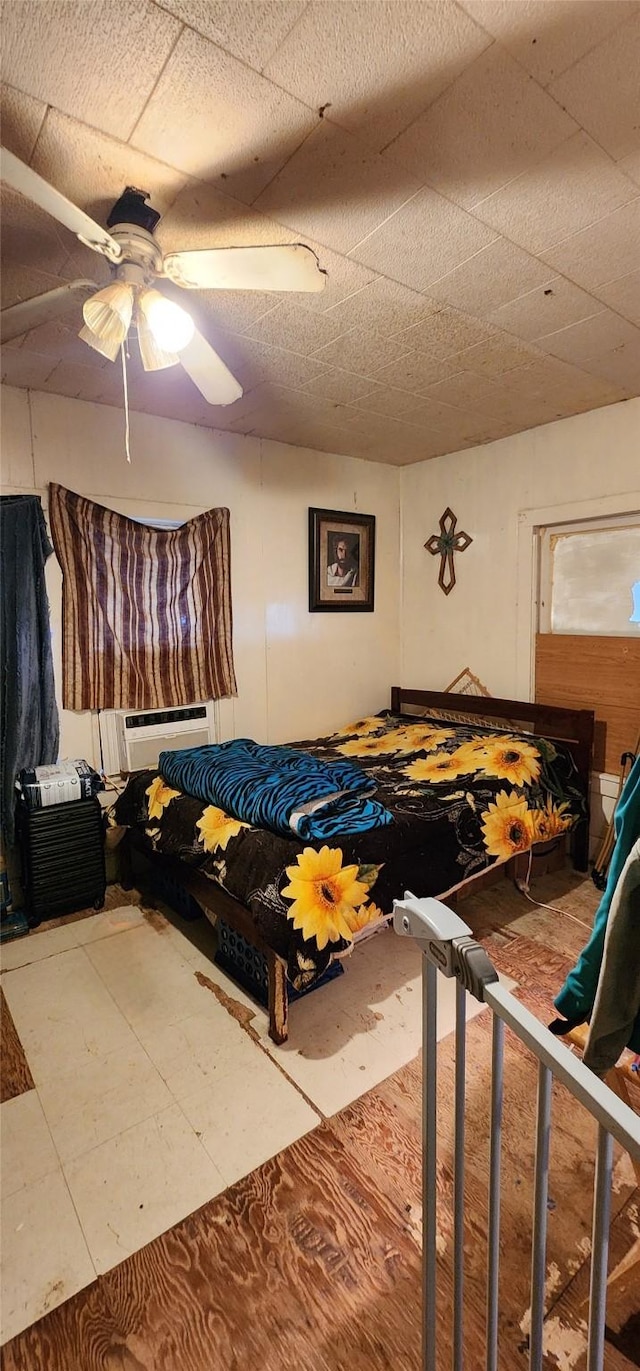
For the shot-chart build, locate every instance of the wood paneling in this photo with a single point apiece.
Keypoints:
(602, 674)
(15, 1076)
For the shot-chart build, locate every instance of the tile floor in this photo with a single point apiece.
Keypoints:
(151, 1098)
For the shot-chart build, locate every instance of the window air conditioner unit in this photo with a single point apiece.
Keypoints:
(132, 739)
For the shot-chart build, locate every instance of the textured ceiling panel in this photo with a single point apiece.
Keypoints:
(561, 195)
(587, 257)
(497, 274)
(543, 310)
(589, 338)
(423, 241)
(335, 189)
(623, 295)
(544, 38)
(247, 30)
(467, 174)
(212, 116)
(602, 91)
(466, 147)
(92, 169)
(375, 64)
(21, 117)
(98, 62)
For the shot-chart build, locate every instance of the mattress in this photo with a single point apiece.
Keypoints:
(463, 799)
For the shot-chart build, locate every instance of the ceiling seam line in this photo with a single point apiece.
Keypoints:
(154, 87)
(242, 61)
(37, 137)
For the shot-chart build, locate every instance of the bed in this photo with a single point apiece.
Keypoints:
(470, 784)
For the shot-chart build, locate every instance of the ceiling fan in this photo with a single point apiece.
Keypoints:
(166, 332)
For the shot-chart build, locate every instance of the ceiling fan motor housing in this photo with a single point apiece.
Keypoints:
(141, 260)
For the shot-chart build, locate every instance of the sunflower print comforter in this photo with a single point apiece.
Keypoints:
(462, 799)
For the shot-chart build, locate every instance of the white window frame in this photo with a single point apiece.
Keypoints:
(626, 504)
(546, 533)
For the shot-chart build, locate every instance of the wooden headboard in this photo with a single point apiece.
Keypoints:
(572, 727)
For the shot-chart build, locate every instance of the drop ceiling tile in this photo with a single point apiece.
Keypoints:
(472, 140)
(544, 310)
(558, 383)
(446, 332)
(497, 274)
(96, 62)
(60, 340)
(235, 310)
(587, 257)
(103, 385)
(343, 277)
(494, 357)
(585, 392)
(339, 385)
(288, 326)
(602, 91)
(211, 115)
(31, 237)
(92, 169)
(577, 184)
(385, 306)
(387, 400)
(423, 241)
(361, 351)
(337, 191)
(589, 338)
(631, 166)
(204, 216)
(253, 362)
(467, 390)
(25, 369)
(432, 413)
(546, 39)
(376, 63)
(21, 117)
(415, 372)
(18, 282)
(249, 31)
(619, 365)
(623, 295)
(539, 377)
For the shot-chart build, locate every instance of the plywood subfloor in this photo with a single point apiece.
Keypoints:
(15, 1076)
(313, 1261)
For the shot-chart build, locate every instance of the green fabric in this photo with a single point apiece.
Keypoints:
(578, 993)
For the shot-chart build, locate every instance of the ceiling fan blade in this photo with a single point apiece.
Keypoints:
(41, 309)
(293, 267)
(209, 373)
(22, 178)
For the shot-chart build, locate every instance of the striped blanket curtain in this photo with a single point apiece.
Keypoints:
(146, 611)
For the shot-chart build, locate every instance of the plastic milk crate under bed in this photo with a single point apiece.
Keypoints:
(245, 964)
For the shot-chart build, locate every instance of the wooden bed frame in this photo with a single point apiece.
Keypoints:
(572, 727)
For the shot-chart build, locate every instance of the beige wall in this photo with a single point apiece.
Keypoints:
(576, 468)
(299, 674)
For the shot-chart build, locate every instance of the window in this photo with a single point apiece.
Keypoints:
(590, 577)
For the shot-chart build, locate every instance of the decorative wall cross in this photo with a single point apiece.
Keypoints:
(444, 544)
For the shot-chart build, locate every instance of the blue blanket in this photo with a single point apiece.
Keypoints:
(279, 788)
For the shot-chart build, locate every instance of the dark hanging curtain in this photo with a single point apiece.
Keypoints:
(28, 709)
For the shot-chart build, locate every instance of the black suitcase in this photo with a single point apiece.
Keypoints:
(62, 855)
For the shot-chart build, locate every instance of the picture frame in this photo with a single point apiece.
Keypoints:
(341, 561)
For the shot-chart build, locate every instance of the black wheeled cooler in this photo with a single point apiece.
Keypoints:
(62, 855)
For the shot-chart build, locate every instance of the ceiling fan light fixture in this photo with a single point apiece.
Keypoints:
(171, 326)
(107, 348)
(107, 315)
(154, 358)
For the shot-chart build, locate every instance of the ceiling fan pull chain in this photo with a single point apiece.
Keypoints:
(126, 401)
